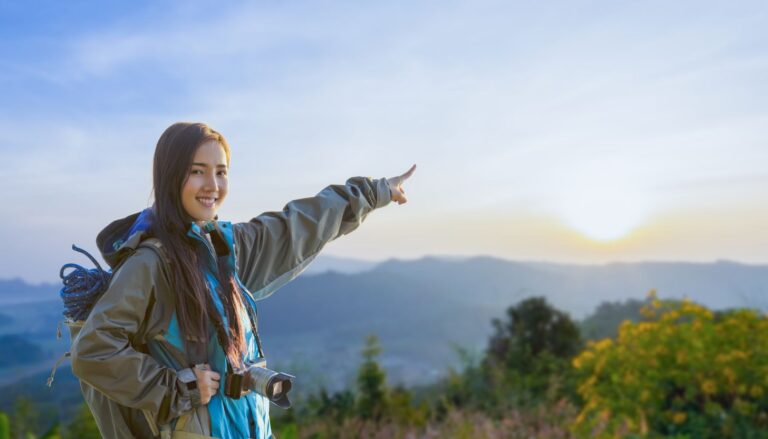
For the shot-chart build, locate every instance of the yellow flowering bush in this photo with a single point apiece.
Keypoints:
(681, 371)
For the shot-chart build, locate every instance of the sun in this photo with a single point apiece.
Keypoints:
(602, 219)
(602, 207)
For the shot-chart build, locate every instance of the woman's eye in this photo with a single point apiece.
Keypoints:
(196, 172)
(222, 173)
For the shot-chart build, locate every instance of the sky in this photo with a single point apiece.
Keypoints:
(567, 131)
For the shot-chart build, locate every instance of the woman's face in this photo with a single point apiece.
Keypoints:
(206, 185)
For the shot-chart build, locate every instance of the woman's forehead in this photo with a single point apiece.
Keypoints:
(210, 153)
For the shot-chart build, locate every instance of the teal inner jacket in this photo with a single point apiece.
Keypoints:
(248, 416)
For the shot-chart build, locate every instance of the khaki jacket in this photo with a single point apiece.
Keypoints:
(133, 392)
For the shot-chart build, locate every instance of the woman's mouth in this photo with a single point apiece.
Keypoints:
(207, 201)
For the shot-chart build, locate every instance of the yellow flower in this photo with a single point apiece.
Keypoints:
(600, 365)
(625, 326)
(581, 417)
(644, 327)
(729, 375)
(603, 344)
(679, 417)
(741, 355)
(756, 391)
(708, 387)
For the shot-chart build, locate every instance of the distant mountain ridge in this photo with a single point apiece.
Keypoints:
(324, 263)
(18, 291)
(575, 288)
(421, 308)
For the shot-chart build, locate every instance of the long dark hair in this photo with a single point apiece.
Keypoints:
(194, 306)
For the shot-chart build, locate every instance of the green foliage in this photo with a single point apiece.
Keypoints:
(83, 425)
(360, 413)
(533, 328)
(25, 418)
(335, 407)
(5, 428)
(371, 382)
(53, 433)
(682, 372)
(605, 320)
(288, 431)
(527, 360)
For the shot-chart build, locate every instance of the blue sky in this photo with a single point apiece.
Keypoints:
(567, 131)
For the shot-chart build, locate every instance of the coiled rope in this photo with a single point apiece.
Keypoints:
(82, 287)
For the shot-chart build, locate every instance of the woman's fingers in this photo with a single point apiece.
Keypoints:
(408, 173)
(397, 181)
(396, 188)
(398, 196)
(207, 382)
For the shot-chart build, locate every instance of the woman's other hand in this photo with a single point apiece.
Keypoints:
(207, 382)
(396, 186)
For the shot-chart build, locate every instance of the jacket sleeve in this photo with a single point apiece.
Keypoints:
(275, 247)
(103, 353)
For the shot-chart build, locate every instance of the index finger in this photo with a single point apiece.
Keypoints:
(409, 172)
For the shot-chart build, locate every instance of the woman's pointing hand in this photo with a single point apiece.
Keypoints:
(396, 190)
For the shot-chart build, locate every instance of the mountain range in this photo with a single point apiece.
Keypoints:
(422, 309)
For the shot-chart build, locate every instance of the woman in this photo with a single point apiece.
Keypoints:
(154, 352)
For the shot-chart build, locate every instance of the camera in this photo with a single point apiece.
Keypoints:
(256, 377)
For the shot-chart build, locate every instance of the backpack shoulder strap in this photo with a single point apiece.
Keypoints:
(155, 245)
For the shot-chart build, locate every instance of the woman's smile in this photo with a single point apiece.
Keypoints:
(207, 201)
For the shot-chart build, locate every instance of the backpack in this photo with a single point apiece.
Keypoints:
(83, 288)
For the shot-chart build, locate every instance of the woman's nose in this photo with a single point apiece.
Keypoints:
(210, 183)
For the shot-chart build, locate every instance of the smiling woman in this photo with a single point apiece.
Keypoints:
(172, 348)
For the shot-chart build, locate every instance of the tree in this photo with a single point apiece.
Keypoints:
(605, 320)
(528, 355)
(371, 382)
(336, 407)
(533, 328)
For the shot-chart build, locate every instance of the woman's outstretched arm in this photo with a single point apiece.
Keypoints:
(275, 247)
